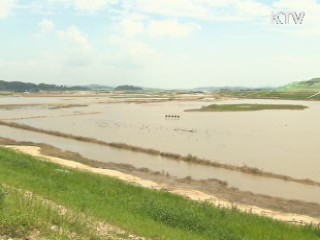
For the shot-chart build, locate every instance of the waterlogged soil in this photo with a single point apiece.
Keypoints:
(282, 142)
(166, 166)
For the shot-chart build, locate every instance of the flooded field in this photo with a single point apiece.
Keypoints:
(277, 141)
(179, 169)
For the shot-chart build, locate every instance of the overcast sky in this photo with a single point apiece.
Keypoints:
(158, 43)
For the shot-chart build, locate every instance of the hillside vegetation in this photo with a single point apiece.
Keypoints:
(31, 87)
(128, 88)
(303, 86)
(285, 95)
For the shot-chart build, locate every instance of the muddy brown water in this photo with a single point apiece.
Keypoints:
(283, 141)
(244, 182)
(35, 100)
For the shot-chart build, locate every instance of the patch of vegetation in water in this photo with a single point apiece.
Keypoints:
(246, 107)
(68, 106)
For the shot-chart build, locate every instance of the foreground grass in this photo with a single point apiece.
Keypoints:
(247, 107)
(149, 213)
(22, 214)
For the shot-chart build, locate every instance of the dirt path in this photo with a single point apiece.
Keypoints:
(190, 193)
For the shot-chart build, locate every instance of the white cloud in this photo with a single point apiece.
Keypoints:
(92, 5)
(133, 52)
(172, 28)
(251, 8)
(218, 10)
(75, 36)
(131, 26)
(6, 7)
(139, 50)
(46, 25)
(297, 5)
(171, 8)
(211, 10)
(71, 35)
(84, 5)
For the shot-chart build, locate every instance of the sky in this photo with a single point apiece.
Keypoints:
(158, 43)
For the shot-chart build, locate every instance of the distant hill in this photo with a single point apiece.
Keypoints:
(312, 85)
(128, 88)
(207, 89)
(98, 87)
(224, 89)
(31, 87)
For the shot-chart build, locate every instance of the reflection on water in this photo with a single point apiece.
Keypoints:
(244, 182)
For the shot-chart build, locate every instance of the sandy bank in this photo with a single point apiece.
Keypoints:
(190, 193)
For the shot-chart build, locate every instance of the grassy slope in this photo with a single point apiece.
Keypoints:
(24, 215)
(288, 95)
(294, 91)
(247, 107)
(150, 213)
(310, 85)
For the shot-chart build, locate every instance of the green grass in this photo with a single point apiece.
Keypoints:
(247, 107)
(303, 86)
(145, 212)
(22, 215)
(285, 95)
